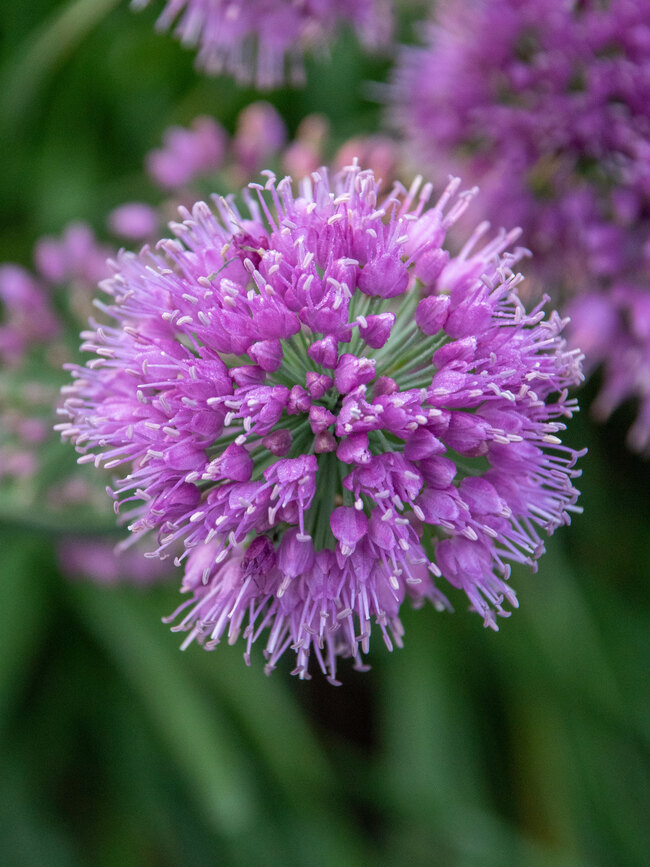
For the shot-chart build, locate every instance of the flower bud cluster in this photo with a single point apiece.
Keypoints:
(262, 42)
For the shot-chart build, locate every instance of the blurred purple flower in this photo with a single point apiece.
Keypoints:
(103, 562)
(38, 330)
(259, 136)
(379, 152)
(75, 257)
(188, 153)
(329, 411)
(262, 41)
(551, 115)
(26, 314)
(134, 221)
(613, 328)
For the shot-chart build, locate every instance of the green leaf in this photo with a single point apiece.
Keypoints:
(194, 728)
(22, 612)
(44, 49)
(274, 721)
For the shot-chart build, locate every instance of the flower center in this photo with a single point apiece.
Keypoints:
(343, 399)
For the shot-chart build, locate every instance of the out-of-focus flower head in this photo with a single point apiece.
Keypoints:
(187, 153)
(76, 257)
(134, 221)
(305, 154)
(35, 340)
(613, 328)
(260, 139)
(259, 136)
(40, 319)
(262, 42)
(329, 411)
(379, 152)
(547, 106)
(104, 562)
(26, 314)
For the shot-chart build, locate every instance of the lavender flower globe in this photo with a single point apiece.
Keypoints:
(260, 41)
(551, 116)
(329, 412)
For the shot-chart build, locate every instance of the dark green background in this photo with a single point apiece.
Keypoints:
(528, 747)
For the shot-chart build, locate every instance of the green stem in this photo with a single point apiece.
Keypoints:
(396, 356)
(414, 357)
(43, 50)
(348, 496)
(324, 502)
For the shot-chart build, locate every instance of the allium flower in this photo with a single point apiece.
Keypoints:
(105, 563)
(194, 160)
(379, 152)
(40, 319)
(260, 135)
(32, 349)
(76, 257)
(26, 314)
(134, 221)
(187, 153)
(330, 411)
(551, 115)
(613, 328)
(258, 41)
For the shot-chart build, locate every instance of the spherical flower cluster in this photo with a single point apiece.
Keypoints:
(329, 411)
(76, 258)
(551, 115)
(262, 41)
(43, 309)
(133, 221)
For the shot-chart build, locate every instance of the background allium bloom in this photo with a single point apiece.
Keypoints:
(40, 320)
(26, 314)
(330, 411)
(260, 135)
(551, 115)
(76, 257)
(258, 41)
(187, 153)
(104, 562)
(133, 221)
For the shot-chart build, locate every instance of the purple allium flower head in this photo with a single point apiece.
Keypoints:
(187, 153)
(259, 136)
(134, 221)
(283, 395)
(305, 153)
(101, 561)
(40, 319)
(258, 41)
(26, 314)
(614, 330)
(75, 257)
(551, 115)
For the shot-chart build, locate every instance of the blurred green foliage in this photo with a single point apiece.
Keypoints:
(529, 747)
